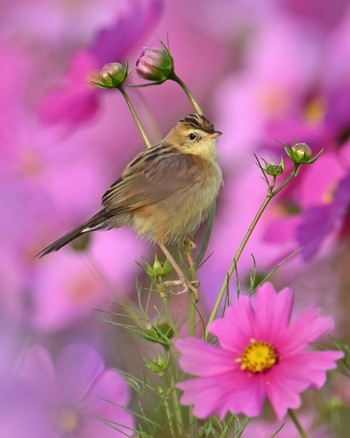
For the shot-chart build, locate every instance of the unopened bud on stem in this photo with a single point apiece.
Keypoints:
(155, 64)
(274, 169)
(301, 153)
(111, 75)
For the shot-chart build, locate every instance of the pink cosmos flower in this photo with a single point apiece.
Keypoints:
(260, 355)
(74, 397)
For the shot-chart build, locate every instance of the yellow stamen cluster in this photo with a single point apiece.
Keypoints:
(258, 357)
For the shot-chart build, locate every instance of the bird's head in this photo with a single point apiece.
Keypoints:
(194, 134)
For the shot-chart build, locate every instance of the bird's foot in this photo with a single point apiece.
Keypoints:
(188, 286)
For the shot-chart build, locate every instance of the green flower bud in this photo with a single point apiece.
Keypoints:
(155, 64)
(157, 366)
(301, 153)
(158, 269)
(111, 75)
(274, 169)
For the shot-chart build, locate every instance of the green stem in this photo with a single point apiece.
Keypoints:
(295, 420)
(175, 395)
(168, 314)
(169, 417)
(188, 92)
(193, 304)
(136, 117)
(242, 246)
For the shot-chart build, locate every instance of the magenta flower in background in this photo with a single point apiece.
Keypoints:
(76, 101)
(320, 221)
(322, 197)
(260, 355)
(76, 397)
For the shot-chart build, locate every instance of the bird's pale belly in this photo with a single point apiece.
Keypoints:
(179, 216)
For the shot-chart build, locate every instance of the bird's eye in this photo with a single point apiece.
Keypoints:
(192, 136)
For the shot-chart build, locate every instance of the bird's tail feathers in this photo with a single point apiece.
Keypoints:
(97, 222)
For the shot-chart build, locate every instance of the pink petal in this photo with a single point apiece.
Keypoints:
(203, 359)
(37, 372)
(295, 374)
(250, 399)
(116, 42)
(102, 416)
(319, 363)
(282, 229)
(235, 330)
(77, 368)
(272, 313)
(308, 328)
(236, 392)
(283, 396)
(95, 427)
(310, 367)
(109, 386)
(77, 101)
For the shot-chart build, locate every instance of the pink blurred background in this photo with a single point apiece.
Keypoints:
(265, 72)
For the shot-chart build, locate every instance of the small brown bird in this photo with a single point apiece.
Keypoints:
(166, 191)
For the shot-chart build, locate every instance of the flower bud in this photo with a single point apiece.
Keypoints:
(111, 75)
(301, 153)
(155, 64)
(274, 169)
(157, 366)
(158, 269)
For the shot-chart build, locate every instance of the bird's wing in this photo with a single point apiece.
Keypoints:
(154, 175)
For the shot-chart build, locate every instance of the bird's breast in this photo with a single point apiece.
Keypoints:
(180, 215)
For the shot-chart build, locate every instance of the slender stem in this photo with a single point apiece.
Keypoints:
(193, 304)
(235, 260)
(188, 92)
(136, 117)
(297, 423)
(168, 314)
(175, 395)
(247, 236)
(169, 416)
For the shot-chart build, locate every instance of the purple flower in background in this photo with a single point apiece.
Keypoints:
(76, 397)
(260, 355)
(135, 21)
(319, 211)
(321, 220)
(76, 100)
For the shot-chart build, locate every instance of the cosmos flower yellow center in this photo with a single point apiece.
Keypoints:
(258, 357)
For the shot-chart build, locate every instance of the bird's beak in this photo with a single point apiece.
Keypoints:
(215, 134)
